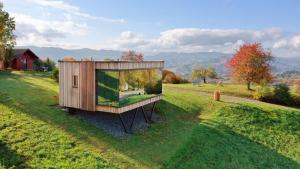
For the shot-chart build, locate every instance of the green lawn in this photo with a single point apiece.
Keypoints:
(229, 89)
(198, 133)
(243, 136)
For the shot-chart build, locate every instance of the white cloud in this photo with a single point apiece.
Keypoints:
(196, 39)
(290, 43)
(296, 41)
(280, 44)
(32, 31)
(74, 10)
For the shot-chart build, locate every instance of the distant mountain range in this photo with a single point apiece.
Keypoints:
(181, 63)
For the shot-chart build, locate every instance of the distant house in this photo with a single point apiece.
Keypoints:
(23, 59)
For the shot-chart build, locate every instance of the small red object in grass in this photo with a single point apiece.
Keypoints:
(217, 95)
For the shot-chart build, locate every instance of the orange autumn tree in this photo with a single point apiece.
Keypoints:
(251, 64)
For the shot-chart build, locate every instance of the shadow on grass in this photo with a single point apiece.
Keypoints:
(9, 158)
(190, 144)
(213, 145)
(145, 150)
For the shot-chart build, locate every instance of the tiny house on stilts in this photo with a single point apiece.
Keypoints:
(110, 86)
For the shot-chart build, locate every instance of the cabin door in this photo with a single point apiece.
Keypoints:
(25, 64)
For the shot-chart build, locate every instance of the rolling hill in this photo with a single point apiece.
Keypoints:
(181, 63)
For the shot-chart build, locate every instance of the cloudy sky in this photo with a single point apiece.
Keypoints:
(158, 25)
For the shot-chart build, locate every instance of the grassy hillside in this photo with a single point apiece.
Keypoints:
(35, 95)
(198, 133)
(243, 136)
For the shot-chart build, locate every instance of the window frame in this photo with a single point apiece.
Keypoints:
(75, 81)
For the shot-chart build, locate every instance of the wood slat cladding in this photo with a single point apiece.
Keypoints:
(68, 95)
(129, 65)
(119, 110)
(83, 95)
(87, 85)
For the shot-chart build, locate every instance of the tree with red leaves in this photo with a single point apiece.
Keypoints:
(251, 64)
(170, 77)
(132, 56)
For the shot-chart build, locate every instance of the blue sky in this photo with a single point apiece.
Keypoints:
(159, 25)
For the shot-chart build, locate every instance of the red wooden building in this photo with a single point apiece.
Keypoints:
(23, 59)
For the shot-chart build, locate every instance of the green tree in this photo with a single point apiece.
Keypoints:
(7, 38)
(50, 64)
(203, 73)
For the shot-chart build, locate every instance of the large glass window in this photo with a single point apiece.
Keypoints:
(122, 88)
(107, 87)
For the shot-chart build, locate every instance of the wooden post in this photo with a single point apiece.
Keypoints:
(217, 95)
(1, 65)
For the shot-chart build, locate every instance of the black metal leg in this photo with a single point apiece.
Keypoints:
(123, 124)
(144, 115)
(136, 110)
(152, 110)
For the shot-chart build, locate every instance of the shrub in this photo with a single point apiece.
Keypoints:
(297, 88)
(43, 65)
(263, 92)
(282, 95)
(37, 65)
(171, 77)
(55, 74)
(297, 93)
(153, 88)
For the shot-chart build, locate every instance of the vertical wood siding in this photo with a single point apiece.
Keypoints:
(87, 89)
(68, 95)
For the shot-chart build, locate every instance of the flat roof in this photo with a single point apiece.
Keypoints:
(121, 65)
(111, 61)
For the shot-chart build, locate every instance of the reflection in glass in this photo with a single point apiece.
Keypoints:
(107, 87)
(121, 88)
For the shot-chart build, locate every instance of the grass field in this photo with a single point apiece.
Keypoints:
(228, 89)
(198, 133)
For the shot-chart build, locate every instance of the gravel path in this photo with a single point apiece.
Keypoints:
(111, 124)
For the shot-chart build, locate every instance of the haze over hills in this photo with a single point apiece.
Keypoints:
(181, 63)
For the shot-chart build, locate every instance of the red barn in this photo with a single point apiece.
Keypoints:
(23, 59)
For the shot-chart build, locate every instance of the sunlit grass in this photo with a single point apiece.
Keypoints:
(197, 132)
(229, 89)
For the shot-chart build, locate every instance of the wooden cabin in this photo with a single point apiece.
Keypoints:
(23, 59)
(109, 86)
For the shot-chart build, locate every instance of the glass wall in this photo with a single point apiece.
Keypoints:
(122, 88)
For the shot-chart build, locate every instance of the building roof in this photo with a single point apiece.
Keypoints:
(19, 52)
(119, 65)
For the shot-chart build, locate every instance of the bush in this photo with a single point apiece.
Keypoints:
(297, 89)
(282, 95)
(297, 93)
(263, 92)
(151, 88)
(55, 74)
(171, 77)
(37, 65)
(43, 65)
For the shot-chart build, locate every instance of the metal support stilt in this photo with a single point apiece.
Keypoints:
(136, 110)
(152, 110)
(144, 114)
(123, 124)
